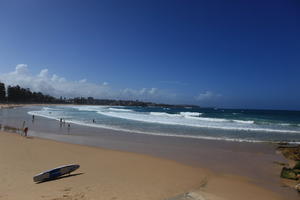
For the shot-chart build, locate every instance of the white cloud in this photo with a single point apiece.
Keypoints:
(55, 85)
(207, 96)
(82, 81)
(21, 69)
(43, 73)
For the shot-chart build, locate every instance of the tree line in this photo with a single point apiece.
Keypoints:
(17, 94)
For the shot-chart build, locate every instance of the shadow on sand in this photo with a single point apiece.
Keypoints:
(61, 177)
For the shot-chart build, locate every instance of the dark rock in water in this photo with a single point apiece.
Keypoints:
(291, 152)
(288, 173)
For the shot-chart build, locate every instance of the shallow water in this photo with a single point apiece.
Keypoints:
(213, 124)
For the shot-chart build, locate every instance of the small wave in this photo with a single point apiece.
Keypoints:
(120, 109)
(212, 119)
(287, 124)
(190, 114)
(46, 108)
(50, 109)
(277, 124)
(89, 108)
(181, 114)
(164, 114)
(244, 121)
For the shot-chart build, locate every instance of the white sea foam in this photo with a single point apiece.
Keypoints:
(181, 114)
(244, 121)
(190, 114)
(120, 109)
(214, 123)
(90, 108)
(212, 119)
(164, 114)
(145, 132)
(46, 108)
(183, 119)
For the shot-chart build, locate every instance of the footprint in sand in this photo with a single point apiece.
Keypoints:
(68, 189)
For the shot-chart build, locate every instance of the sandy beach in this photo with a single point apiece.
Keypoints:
(107, 174)
(10, 105)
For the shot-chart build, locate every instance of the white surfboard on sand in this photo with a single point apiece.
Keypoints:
(55, 173)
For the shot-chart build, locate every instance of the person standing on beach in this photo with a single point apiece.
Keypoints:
(32, 118)
(25, 131)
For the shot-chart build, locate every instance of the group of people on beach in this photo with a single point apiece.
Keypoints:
(62, 122)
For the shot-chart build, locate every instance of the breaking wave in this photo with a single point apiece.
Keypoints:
(164, 123)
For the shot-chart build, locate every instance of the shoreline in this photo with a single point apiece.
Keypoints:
(15, 105)
(110, 174)
(253, 162)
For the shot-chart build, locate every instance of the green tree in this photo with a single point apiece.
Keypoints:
(2, 92)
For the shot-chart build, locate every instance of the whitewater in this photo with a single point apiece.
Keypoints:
(201, 123)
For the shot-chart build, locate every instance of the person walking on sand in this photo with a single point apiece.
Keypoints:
(25, 131)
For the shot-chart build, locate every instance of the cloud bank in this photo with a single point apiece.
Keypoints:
(57, 86)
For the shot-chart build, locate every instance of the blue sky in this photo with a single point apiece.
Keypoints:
(239, 54)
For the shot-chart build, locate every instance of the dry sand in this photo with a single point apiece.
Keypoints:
(109, 175)
(13, 105)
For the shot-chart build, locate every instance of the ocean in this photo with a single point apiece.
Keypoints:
(199, 123)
